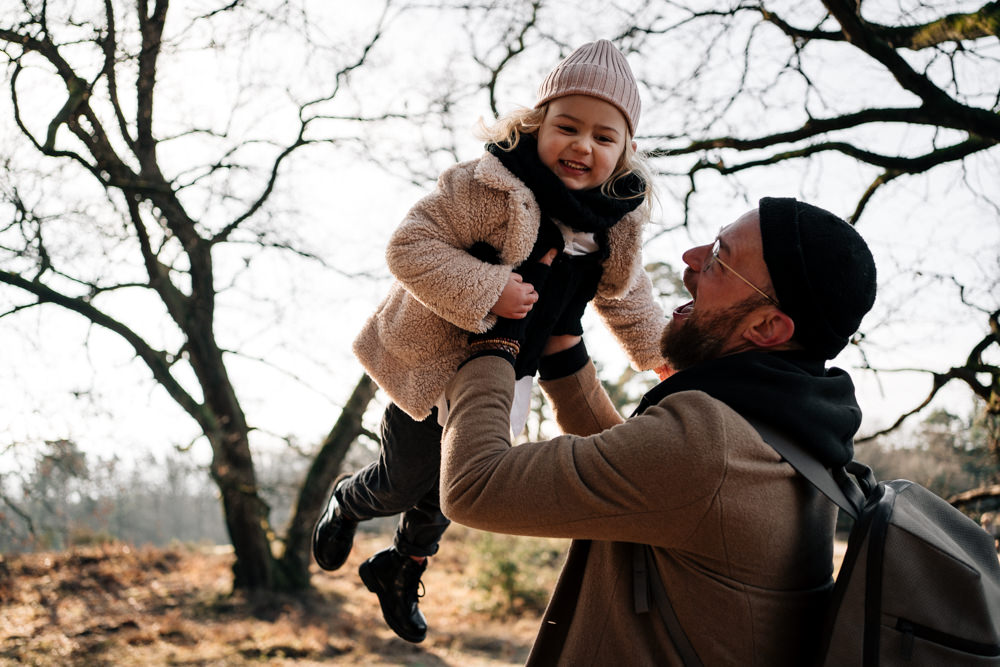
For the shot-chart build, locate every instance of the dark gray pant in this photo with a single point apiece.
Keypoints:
(405, 479)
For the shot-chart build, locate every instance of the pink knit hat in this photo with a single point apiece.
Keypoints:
(597, 69)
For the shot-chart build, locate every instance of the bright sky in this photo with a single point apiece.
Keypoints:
(296, 319)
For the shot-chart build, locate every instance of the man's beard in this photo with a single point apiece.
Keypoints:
(698, 338)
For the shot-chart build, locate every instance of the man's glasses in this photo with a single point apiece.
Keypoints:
(715, 257)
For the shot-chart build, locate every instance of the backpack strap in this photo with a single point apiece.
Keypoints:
(836, 485)
(645, 577)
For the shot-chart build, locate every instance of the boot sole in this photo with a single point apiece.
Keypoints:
(371, 583)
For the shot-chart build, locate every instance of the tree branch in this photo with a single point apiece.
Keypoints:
(966, 374)
(866, 37)
(984, 22)
(814, 127)
(882, 179)
(151, 28)
(154, 359)
(972, 495)
(108, 44)
(952, 28)
(300, 138)
(914, 165)
(512, 49)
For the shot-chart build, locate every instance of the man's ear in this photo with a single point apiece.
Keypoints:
(769, 329)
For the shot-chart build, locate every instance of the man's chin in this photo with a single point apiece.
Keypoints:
(688, 342)
(678, 319)
(669, 346)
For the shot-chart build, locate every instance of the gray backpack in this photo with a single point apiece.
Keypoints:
(918, 586)
(920, 582)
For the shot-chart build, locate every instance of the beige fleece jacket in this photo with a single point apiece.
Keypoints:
(417, 336)
(743, 544)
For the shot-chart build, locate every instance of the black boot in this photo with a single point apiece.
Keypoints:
(394, 578)
(333, 535)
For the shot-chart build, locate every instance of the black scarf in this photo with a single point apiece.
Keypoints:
(792, 391)
(584, 210)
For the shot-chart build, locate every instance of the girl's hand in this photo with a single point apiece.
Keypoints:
(516, 299)
(519, 297)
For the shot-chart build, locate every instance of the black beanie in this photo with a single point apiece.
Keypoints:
(821, 269)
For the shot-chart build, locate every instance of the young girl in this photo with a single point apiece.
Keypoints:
(563, 175)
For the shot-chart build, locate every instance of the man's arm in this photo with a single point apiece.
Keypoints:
(645, 480)
(580, 403)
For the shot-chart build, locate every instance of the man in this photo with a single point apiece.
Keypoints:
(741, 542)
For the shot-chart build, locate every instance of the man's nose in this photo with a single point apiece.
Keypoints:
(695, 257)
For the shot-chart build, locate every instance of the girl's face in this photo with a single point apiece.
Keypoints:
(581, 140)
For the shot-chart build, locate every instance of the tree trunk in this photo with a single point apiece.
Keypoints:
(245, 514)
(294, 563)
(972, 495)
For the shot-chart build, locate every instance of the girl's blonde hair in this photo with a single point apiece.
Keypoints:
(506, 133)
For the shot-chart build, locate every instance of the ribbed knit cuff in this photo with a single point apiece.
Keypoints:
(563, 364)
(503, 354)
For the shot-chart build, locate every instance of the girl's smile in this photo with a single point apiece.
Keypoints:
(574, 166)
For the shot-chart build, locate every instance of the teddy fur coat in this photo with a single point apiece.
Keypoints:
(417, 337)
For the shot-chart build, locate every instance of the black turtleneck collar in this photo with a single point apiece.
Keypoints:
(794, 392)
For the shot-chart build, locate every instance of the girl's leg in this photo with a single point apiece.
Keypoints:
(421, 527)
(403, 479)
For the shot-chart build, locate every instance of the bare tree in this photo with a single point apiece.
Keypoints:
(735, 94)
(939, 61)
(84, 95)
(951, 82)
